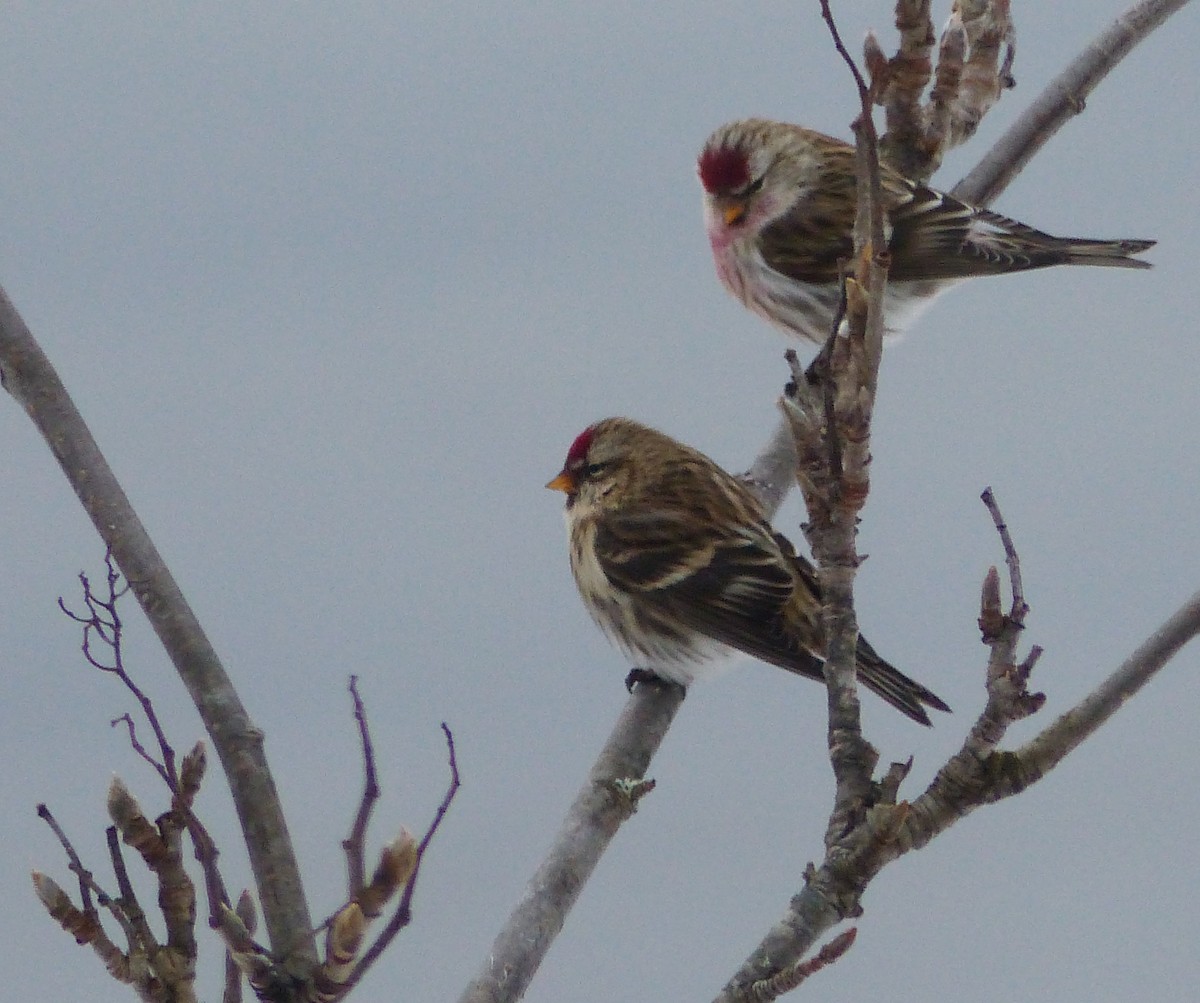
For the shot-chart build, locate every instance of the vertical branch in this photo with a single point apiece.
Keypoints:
(848, 401)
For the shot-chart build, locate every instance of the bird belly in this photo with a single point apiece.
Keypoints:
(905, 302)
(802, 309)
(647, 637)
(807, 309)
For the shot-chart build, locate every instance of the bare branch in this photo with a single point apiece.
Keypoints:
(247, 918)
(988, 31)
(598, 811)
(829, 409)
(1061, 100)
(835, 463)
(786, 981)
(773, 472)
(977, 775)
(353, 844)
(87, 883)
(28, 376)
(968, 80)
(103, 620)
(1010, 553)
(972, 779)
(908, 73)
(158, 974)
(403, 914)
(131, 916)
(1047, 749)
(1009, 699)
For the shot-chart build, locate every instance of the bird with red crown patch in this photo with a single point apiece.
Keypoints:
(779, 208)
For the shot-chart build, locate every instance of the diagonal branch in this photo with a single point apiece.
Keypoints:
(28, 376)
(1062, 99)
(977, 775)
(1047, 749)
(607, 798)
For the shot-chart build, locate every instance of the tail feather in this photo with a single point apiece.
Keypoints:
(994, 243)
(907, 695)
(1110, 253)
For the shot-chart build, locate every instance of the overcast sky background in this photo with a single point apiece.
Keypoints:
(335, 286)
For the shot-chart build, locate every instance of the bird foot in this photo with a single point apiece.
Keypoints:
(645, 676)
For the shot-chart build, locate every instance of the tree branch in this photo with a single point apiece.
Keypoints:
(28, 376)
(1047, 749)
(863, 837)
(773, 473)
(1062, 99)
(977, 775)
(608, 797)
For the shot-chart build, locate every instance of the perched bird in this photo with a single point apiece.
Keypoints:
(779, 207)
(676, 562)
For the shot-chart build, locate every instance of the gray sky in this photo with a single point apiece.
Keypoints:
(336, 285)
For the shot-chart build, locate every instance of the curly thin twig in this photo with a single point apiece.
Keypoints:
(103, 620)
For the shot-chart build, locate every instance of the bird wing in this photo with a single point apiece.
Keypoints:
(735, 589)
(935, 236)
(932, 235)
(749, 591)
(808, 242)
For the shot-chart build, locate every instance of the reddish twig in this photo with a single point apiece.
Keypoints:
(353, 844)
(403, 914)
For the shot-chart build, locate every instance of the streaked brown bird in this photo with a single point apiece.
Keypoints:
(676, 562)
(779, 208)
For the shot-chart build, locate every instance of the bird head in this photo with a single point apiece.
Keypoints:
(598, 468)
(753, 171)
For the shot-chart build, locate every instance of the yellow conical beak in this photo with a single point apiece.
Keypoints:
(734, 213)
(564, 482)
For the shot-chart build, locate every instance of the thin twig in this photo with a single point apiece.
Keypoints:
(104, 620)
(88, 885)
(353, 844)
(140, 749)
(137, 927)
(1010, 551)
(403, 914)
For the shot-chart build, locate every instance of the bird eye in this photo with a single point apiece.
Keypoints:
(592, 469)
(755, 186)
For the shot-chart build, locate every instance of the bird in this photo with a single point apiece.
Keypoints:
(676, 562)
(779, 208)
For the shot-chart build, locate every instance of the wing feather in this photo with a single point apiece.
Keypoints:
(732, 589)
